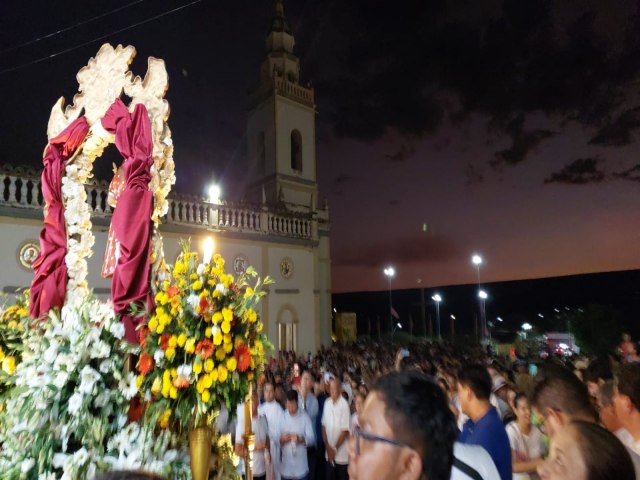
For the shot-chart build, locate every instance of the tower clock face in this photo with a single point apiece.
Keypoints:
(286, 267)
(239, 264)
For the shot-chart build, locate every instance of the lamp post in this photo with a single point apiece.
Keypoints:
(482, 295)
(214, 193)
(477, 260)
(390, 273)
(437, 298)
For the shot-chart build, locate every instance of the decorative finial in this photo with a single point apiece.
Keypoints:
(279, 8)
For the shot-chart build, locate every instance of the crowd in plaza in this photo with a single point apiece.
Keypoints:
(373, 410)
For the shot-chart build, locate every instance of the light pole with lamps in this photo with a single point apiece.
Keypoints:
(390, 273)
(482, 295)
(437, 298)
(477, 260)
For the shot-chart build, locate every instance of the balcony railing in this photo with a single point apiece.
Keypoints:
(21, 189)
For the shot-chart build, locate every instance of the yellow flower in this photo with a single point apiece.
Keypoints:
(173, 393)
(1, 354)
(169, 353)
(157, 386)
(200, 384)
(13, 324)
(222, 373)
(204, 293)
(197, 285)
(208, 365)
(164, 419)
(193, 276)
(217, 317)
(220, 354)
(227, 280)
(232, 364)
(250, 376)
(197, 366)
(217, 338)
(227, 315)
(259, 327)
(139, 380)
(228, 347)
(206, 396)
(173, 341)
(227, 338)
(207, 381)
(190, 345)
(160, 328)
(9, 365)
(153, 324)
(214, 375)
(226, 326)
(248, 292)
(182, 339)
(182, 283)
(217, 259)
(208, 332)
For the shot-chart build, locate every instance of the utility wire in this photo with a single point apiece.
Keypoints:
(70, 49)
(66, 29)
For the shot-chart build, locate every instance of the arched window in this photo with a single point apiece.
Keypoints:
(296, 151)
(262, 153)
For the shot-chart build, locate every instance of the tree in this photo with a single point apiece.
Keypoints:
(597, 328)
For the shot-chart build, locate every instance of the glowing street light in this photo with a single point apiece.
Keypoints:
(437, 298)
(207, 246)
(214, 193)
(483, 295)
(526, 326)
(399, 325)
(390, 272)
(477, 260)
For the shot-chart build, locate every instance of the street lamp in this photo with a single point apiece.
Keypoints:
(437, 298)
(390, 273)
(477, 260)
(526, 327)
(214, 193)
(482, 296)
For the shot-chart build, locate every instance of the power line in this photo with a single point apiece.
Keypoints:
(102, 37)
(71, 27)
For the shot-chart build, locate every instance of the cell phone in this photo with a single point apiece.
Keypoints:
(404, 353)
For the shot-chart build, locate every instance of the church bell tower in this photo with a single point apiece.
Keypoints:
(281, 130)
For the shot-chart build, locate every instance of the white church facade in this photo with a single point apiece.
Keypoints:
(281, 230)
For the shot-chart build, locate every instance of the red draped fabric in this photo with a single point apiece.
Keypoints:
(50, 282)
(131, 219)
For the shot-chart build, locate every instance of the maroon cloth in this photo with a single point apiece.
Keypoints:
(49, 285)
(131, 219)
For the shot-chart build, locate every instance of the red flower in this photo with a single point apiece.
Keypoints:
(204, 348)
(145, 364)
(243, 356)
(142, 336)
(172, 291)
(204, 305)
(164, 341)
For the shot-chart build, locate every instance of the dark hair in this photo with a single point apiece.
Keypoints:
(605, 393)
(519, 396)
(292, 396)
(477, 378)
(599, 368)
(604, 455)
(562, 391)
(628, 382)
(128, 475)
(418, 413)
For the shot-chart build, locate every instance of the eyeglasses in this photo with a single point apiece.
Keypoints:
(370, 437)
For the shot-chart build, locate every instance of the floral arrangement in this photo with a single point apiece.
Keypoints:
(203, 343)
(14, 323)
(66, 415)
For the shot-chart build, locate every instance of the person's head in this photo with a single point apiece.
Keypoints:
(474, 385)
(359, 401)
(128, 475)
(606, 410)
(522, 408)
(269, 392)
(559, 398)
(586, 451)
(598, 372)
(292, 402)
(626, 398)
(335, 389)
(318, 387)
(406, 431)
(296, 370)
(306, 381)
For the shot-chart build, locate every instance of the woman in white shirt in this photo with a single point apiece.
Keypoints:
(527, 445)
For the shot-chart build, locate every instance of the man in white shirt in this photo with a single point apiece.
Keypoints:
(472, 462)
(335, 432)
(296, 433)
(261, 446)
(308, 403)
(273, 412)
(626, 401)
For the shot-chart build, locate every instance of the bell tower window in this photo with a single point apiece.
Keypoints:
(296, 151)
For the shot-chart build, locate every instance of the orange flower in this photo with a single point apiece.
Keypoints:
(142, 336)
(243, 356)
(145, 364)
(181, 382)
(172, 291)
(164, 341)
(204, 349)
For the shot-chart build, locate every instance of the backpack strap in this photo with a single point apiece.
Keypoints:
(466, 469)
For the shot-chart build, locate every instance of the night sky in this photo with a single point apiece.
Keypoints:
(509, 127)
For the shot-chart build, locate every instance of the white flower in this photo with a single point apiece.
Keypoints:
(102, 399)
(81, 456)
(100, 350)
(88, 378)
(59, 460)
(75, 402)
(105, 366)
(200, 269)
(51, 353)
(158, 355)
(221, 289)
(215, 329)
(61, 379)
(193, 301)
(184, 371)
(131, 389)
(27, 465)
(117, 330)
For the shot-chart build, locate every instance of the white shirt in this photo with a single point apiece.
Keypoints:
(335, 420)
(294, 456)
(259, 427)
(273, 412)
(477, 458)
(527, 447)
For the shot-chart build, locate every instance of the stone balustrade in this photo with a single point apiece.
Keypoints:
(21, 190)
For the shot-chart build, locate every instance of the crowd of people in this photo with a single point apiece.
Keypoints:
(373, 410)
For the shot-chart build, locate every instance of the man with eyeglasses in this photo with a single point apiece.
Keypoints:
(406, 431)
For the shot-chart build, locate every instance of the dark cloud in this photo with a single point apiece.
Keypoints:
(580, 171)
(342, 179)
(523, 142)
(405, 151)
(473, 175)
(410, 249)
(632, 174)
(619, 131)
